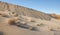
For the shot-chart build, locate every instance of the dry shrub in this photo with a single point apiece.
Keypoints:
(38, 24)
(52, 29)
(14, 14)
(41, 24)
(1, 13)
(32, 20)
(12, 21)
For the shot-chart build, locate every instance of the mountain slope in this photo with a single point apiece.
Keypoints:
(23, 11)
(19, 20)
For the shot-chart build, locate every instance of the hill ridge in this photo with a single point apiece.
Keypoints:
(23, 11)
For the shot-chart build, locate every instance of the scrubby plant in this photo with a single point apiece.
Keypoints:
(38, 24)
(12, 21)
(41, 24)
(13, 14)
(32, 20)
(52, 30)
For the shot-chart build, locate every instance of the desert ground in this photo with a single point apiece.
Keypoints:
(19, 20)
(25, 25)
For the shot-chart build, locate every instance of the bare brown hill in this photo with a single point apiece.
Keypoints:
(20, 10)
(19, 20)
(55, 16)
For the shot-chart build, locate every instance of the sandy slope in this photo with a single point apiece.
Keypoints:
(46, 28)
(40, 22)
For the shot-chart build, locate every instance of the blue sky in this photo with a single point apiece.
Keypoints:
(47, 6)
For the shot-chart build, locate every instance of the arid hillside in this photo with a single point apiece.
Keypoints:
(55, 16)
(23, 11)
(19, 20)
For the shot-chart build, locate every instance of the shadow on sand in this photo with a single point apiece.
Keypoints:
(27, 27)
(1, 33)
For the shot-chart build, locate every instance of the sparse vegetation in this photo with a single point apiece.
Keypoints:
(33, 21)
(13, 14)
(38, 24)
(41, 24)
(52, 29)
(11, 22)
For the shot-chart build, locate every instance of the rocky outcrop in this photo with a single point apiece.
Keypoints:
(20, 10)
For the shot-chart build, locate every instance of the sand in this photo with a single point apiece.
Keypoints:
(51, 27)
